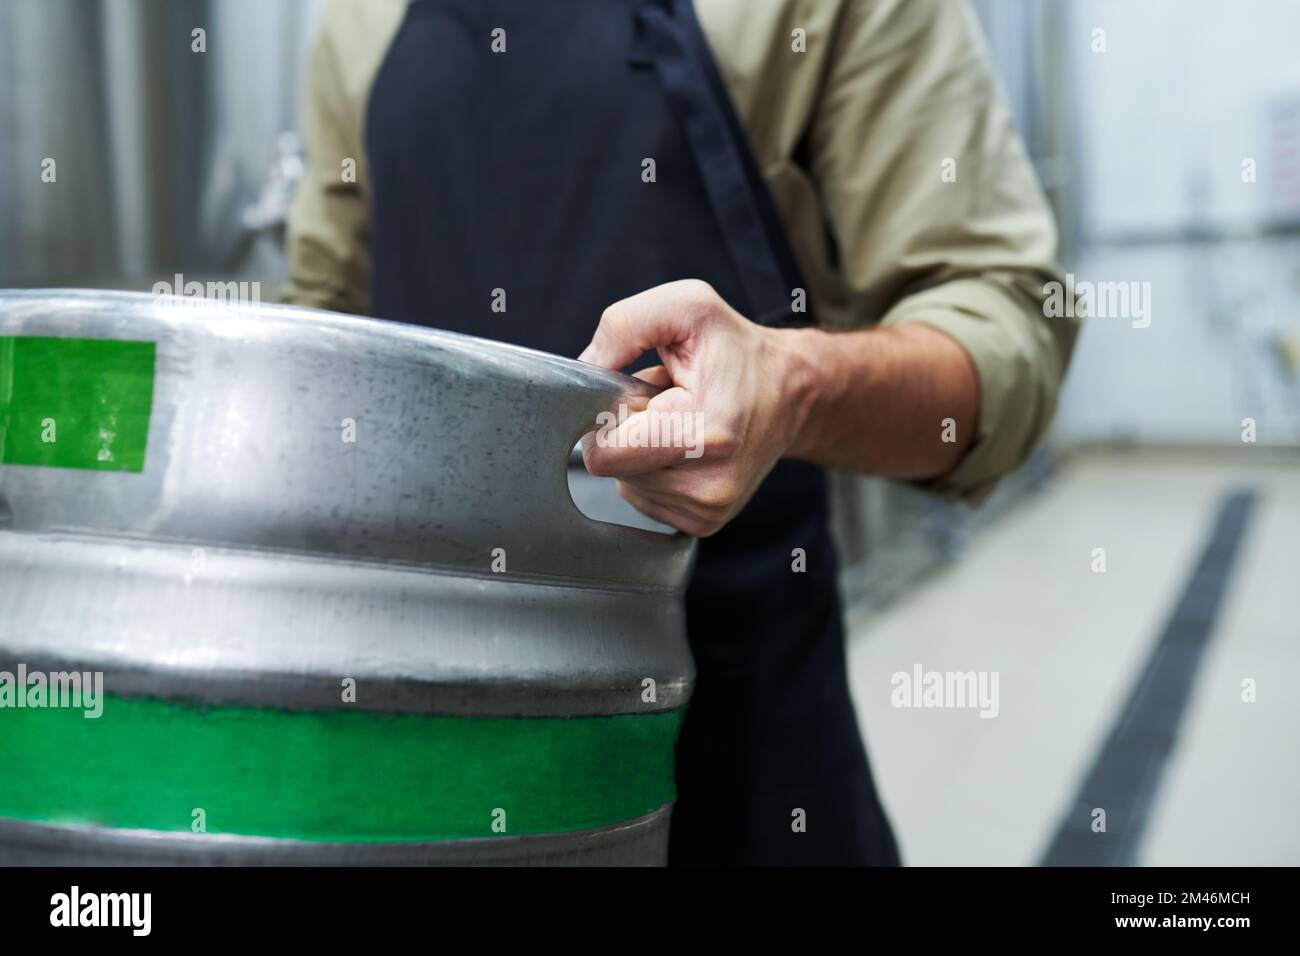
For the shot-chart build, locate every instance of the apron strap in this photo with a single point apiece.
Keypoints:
(674, 44)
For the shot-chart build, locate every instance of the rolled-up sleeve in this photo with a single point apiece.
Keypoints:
(937, 216)
(329, 224)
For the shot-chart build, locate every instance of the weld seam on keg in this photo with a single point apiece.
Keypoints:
(546, 696)
(332, 776)
(234, 551)
(75, 402)
(642, 841)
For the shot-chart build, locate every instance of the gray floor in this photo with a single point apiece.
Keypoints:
(1068, 643)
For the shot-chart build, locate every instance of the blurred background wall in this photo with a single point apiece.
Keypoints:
(176, 162)
(1139, 116)
(164, 153)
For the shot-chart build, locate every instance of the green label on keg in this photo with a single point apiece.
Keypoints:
(75, 403)
(334, 776)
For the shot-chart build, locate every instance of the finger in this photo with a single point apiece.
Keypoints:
(663, 483)
(686, 508)
(633, 447)
(655, 318)
(656, 375)
(702, 500)
(651, 508)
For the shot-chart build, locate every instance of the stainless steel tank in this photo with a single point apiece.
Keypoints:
(341, 603)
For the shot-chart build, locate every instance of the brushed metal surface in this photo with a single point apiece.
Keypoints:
(259, 558)
(283, 630)
(640, 842)
(461, 443)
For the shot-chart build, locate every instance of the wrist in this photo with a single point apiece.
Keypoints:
(806, 356)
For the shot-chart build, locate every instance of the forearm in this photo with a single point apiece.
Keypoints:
(900, 401)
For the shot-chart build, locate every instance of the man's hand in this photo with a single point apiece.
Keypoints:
(734, 378)
(900, 401)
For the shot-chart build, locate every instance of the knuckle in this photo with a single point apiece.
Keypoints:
(698, 288)
(720, 443)
(700, 297)
(715, 495)
(727, 444)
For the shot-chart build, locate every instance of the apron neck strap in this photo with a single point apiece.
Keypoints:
(670, 39)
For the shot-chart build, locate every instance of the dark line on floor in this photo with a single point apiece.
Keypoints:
(1124, 777)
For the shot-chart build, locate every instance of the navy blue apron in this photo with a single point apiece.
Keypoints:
(521, 171)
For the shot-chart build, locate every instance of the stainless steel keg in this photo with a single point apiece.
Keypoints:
(285, 586)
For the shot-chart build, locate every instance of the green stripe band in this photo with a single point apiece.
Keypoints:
(337, 776)
(75, 403)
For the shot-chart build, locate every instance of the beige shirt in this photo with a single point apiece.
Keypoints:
(887, 145)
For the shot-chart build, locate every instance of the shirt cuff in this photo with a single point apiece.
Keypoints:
(1017, 364)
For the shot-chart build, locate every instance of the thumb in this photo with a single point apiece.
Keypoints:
(655, 375)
